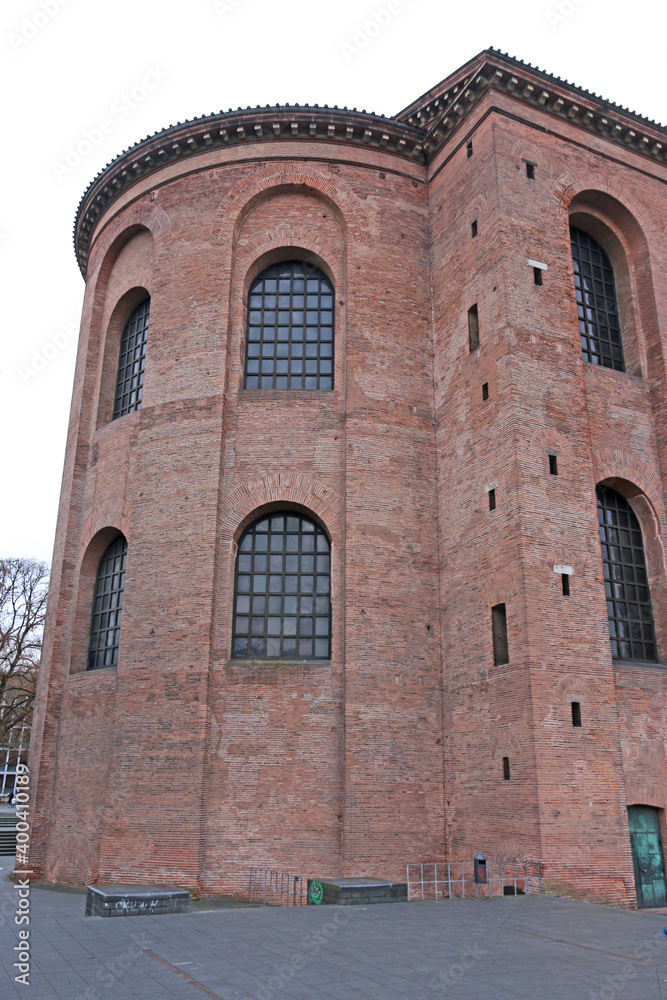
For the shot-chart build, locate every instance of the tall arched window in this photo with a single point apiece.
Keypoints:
(290, 338)
(626, 583)
(131, 361)
(599, 325)
(282, 606)
(108, 606)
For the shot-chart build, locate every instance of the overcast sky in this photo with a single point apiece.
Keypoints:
(67, 64)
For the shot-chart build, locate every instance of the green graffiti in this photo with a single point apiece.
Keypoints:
(316, 893)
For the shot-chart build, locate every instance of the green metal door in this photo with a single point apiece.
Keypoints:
(647, 856)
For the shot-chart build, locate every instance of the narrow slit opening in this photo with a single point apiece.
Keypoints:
(473, 329)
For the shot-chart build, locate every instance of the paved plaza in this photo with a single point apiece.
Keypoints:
(503, 949)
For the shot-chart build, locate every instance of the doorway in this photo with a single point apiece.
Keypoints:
(647, 856)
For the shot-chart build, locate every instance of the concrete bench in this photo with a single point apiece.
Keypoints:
(357, 891)
(135, 900)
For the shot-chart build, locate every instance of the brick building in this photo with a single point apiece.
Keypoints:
(368, 415)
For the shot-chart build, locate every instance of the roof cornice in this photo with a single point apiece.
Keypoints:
(443, 107)
(418, 133)
(237, 128)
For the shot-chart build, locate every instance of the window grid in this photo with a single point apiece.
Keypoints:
(629, 609)
(282, 605)
(131, 362)
(599, 325)
(290, 341)
(108, 606)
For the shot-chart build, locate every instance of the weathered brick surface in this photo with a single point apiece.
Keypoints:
(185, 766)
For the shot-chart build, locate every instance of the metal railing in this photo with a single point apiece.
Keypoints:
(456, 880)
(277, 888)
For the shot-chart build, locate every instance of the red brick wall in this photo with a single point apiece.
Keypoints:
(186, 766)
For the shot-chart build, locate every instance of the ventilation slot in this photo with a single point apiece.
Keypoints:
(473, 329)
(576, 714)
(553, 465)
(506, 768)
(499, 627)
(485, 390)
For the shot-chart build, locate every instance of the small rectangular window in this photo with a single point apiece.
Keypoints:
(565, 580)
(469, 148)
(576, 713)
(506, 768)
(499, 627)
(485, 390)
(553, 465)
(492, 499)
(537, 275)
(530, 171)
(473, 228)
(473, 329)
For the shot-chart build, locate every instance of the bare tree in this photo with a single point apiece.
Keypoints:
(23, 591)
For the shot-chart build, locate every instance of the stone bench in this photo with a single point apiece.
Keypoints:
(358, 891)
(135, 900)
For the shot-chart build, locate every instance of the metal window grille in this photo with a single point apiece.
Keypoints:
(599, 325)
(290, 340)
(282, 606)
(108, 606)
(131, 362)
(631, 628)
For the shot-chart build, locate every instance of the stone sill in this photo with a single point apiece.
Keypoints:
(88, 673)
(638, 664)
(313, 672)
(289, 394)
(632, 378)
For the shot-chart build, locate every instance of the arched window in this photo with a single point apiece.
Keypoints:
(131, 361)
(108, 606)
(599, 325)
(290, 328)
(282, 606)
(626, 583)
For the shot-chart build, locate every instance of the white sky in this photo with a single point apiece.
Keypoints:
(66, 64)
